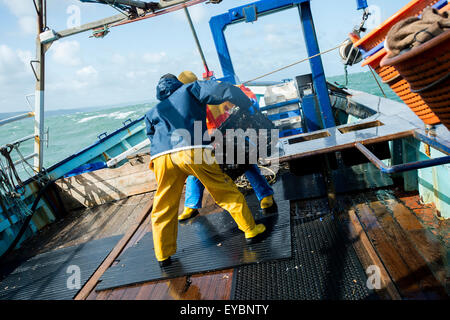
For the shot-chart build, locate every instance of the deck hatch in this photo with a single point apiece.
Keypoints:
(361, 126)
(309, 137)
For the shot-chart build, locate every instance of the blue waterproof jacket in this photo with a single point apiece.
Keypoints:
(171, 123)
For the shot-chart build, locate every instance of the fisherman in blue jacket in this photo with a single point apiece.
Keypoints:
(194, 188)
(179, 147)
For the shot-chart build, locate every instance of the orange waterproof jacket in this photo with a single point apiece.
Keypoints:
(217, 114)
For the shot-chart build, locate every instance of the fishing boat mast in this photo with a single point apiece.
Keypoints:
(39, 71)
(138, 10)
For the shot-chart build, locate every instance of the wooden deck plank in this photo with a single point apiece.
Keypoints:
(378, 239)
(127, 210)
(100, 295)
(131, 219)
(367, 254)
(220, 285)
(92, 282)
(419, 270)
(130, 293)
(97, 223)
(145, 292)
(397, 268)
(430, 248)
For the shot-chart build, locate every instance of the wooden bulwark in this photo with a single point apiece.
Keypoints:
(109, 184)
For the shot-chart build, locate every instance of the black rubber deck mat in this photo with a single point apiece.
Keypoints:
(205, 243)
(323, 266)
(46, 276)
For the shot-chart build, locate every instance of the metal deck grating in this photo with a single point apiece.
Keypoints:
(324, 266)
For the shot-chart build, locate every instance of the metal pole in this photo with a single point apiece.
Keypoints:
(16, 118)
(137, 4)
(401, 167)
(197, 42)
(39, 91)
(312, 46)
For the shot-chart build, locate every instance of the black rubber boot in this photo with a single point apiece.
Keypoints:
(256, 239)
(165, 263)
(272, 209)
(194, 214)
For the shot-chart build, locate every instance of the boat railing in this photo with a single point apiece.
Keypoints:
(14, 145)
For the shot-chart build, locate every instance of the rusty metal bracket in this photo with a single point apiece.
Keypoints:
(32, 68)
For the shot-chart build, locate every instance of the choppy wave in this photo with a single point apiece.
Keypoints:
(118, 115)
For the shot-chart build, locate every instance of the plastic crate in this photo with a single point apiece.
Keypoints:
(284, 115)
(290, 132)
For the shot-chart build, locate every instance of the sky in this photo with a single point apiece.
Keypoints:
(124, 66)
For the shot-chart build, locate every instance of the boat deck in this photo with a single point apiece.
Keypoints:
(385, 227)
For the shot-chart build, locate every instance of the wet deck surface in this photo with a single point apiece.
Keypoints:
(205, 243)
(79, 227)
(394, 223)
(407, 236)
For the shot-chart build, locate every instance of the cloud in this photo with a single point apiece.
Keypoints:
(157, 57)
(198, 14)
(13, 64)
(16, 79)
(87, 72)
(25, 13)
(28, 24)
(20, 7)
(117, 58)
(66, 53)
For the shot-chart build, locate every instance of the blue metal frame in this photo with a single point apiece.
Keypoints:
(219, 23)
(310, 113)
(361, 4)
(404, 166)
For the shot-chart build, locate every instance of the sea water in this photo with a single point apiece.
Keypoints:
(72, 131)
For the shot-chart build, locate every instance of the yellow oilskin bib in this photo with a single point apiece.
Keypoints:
(171, 171)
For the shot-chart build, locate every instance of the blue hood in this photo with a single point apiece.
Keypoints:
(172, 125)
(167, 86)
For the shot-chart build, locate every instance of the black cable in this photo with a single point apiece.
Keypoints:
(6, 151)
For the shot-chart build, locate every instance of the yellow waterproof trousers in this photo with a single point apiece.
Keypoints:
(171, 171)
